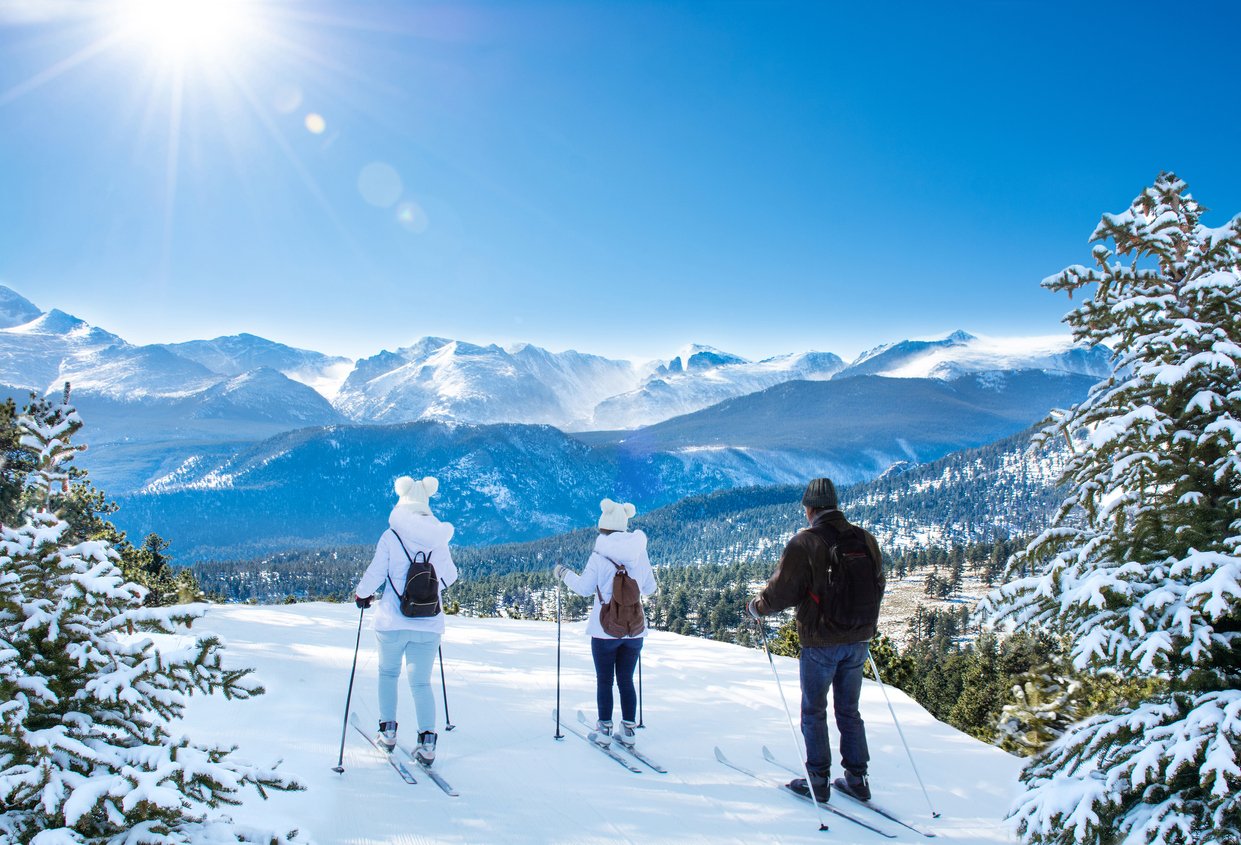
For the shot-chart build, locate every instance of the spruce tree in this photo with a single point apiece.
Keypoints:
(1140, 567)
(88, 696)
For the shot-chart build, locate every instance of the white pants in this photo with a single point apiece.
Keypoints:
(418, 649)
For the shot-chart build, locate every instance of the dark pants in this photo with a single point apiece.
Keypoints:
(839, 668)
(615, 658)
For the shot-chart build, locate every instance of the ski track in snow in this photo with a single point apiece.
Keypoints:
(518, 784)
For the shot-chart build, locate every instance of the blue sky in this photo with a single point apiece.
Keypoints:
(620, 178)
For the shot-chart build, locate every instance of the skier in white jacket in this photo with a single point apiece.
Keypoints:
(614, 656)
(412, 529)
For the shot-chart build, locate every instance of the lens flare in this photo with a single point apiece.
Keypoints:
(380, 184)
(412, 217)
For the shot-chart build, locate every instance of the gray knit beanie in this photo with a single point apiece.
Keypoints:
(820, 493)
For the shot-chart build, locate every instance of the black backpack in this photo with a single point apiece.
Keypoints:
(421, 596)
(852, 587)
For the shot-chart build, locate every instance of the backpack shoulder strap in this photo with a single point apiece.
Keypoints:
(426, 556)
(830, 536)
(620, 568)
(402, 542)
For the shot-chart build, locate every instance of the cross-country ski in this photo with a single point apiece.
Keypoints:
(430, 772)
(400, 767)
(719, 755)
(606, 750)
(839, 786)
(640, 756)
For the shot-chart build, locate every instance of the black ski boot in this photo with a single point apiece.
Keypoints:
(857, 785)
(821, 784)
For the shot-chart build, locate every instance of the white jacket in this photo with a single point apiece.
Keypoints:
(420, 532)
(625, 547)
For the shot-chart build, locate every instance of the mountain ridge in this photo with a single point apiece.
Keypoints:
(445, 379)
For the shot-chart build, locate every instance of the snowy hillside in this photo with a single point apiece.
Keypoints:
(518, 784)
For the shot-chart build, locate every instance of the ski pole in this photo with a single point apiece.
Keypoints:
(901, 733)
(558, 735)
(448, 725)
(762, 633)
(339, 768)
(640, 725)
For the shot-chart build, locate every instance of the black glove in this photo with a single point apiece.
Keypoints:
(363, 603)
(751, 609)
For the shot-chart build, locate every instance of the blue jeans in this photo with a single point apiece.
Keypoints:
(615, 658)
(419, 649)
(838, 667)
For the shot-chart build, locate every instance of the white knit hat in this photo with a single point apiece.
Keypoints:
(414, 494)
(616, 515)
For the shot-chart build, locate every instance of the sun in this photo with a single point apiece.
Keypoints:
(180, 31)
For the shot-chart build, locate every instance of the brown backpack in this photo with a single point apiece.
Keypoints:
(621, 616)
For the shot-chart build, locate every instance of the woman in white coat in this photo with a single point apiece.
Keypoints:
(615, 657)
(412, 529)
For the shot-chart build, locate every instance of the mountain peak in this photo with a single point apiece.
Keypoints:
(15, 309)
(698, 356)
(54, 322)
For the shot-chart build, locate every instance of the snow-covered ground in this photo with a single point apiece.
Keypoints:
(518, 784)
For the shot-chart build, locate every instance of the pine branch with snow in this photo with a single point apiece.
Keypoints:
(92, 683)
(1141, 567)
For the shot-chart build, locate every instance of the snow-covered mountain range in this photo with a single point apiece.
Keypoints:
(245, 386)
(148, 393)
(961, 353)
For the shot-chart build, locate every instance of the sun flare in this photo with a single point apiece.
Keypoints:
(181, 30)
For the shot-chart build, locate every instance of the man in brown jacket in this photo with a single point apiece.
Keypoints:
(832, 572)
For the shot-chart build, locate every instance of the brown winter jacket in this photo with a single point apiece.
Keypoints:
(803, 558)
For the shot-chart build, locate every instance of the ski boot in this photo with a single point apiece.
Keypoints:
(425, 752)
(625, 734)
(821, 784)
(386, 736)
(603, 732)
(857, 785)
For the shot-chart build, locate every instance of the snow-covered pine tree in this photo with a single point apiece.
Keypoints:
(1141, 565)
(88, 698)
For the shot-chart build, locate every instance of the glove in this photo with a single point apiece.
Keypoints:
(751, 609)
(559, 571)
(363, 603)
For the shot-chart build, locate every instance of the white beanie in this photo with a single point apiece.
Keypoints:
(616, 515)
(414, 494)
